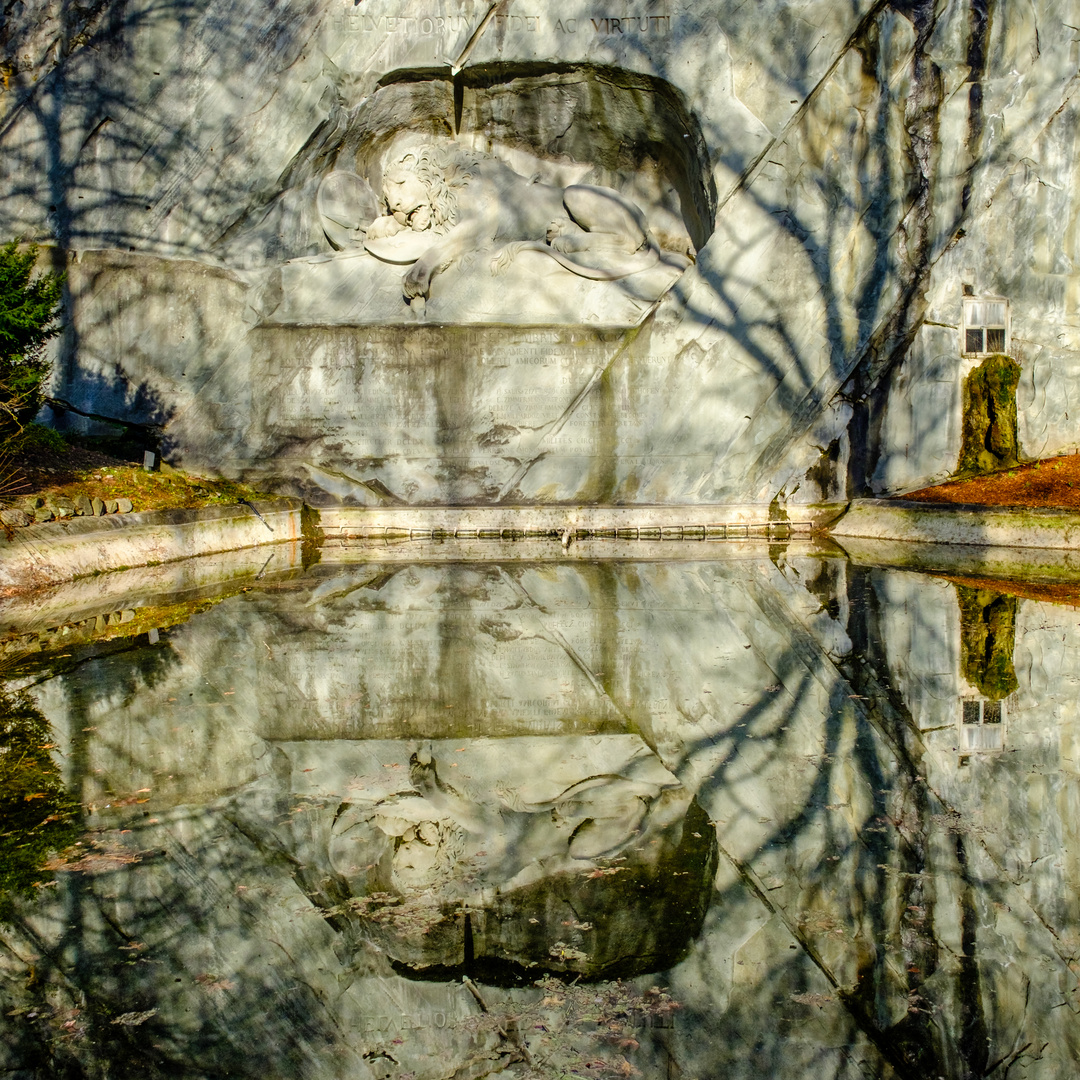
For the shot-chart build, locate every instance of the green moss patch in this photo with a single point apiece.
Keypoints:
(987, 640)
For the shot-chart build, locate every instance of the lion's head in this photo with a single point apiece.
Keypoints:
(422, 187)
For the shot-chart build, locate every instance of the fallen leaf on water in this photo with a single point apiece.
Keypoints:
(820, 1000)
(134, 1019)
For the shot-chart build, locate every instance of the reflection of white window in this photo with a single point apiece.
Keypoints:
(982, 726)
(986, 325)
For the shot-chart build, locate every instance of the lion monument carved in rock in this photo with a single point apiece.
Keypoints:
(440, 202)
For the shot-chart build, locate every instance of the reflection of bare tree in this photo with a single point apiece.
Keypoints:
(885, 920)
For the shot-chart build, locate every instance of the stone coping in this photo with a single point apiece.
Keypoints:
(958, 524)
(189, 579)
(391, 550)
(1050, 566)
(36, 556)
(713, 522)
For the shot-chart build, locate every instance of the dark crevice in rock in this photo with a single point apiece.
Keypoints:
(979, 31)
(890, 341)
(904, 250)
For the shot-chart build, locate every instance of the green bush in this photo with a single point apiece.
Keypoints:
(39, 438)
(29, 317)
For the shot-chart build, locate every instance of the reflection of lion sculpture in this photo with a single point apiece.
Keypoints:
(446, 200)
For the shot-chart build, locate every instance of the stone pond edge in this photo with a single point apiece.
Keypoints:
(958, 524)
(37, 556)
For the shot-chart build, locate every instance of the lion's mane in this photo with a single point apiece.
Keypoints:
(443, 170)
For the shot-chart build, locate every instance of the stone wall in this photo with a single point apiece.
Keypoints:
(839, 175)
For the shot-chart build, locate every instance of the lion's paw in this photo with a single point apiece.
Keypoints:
(416, 282)
(383, 227)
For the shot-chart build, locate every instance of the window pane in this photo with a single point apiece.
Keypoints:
(971, 712)
(992, 712)
(995, 340)
(981, 738)
(973, 341)
(985, 313)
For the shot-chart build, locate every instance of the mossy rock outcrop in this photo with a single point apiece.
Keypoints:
(989, 435)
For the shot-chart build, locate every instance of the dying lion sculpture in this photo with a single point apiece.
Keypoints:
(441, 202)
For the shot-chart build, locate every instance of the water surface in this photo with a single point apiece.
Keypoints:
(765, 813)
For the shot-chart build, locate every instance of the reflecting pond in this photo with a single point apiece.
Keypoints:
(748, 811)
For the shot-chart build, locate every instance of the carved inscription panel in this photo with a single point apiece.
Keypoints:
(442, 24)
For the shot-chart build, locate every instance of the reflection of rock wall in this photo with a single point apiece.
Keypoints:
(1036, 772)
(842, 174)
(500, 856)
(402, 652)
(874, 901)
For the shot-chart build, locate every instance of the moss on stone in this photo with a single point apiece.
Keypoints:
(989, 432)
(987, 640)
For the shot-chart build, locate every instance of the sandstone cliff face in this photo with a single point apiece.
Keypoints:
(842, 175)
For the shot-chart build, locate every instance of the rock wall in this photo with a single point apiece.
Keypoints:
(839, 178)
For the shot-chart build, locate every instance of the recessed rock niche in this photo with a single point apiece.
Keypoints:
(569, 195)
(428, 308)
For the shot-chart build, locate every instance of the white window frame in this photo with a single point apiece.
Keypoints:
(968, 322)
(1000, 725)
